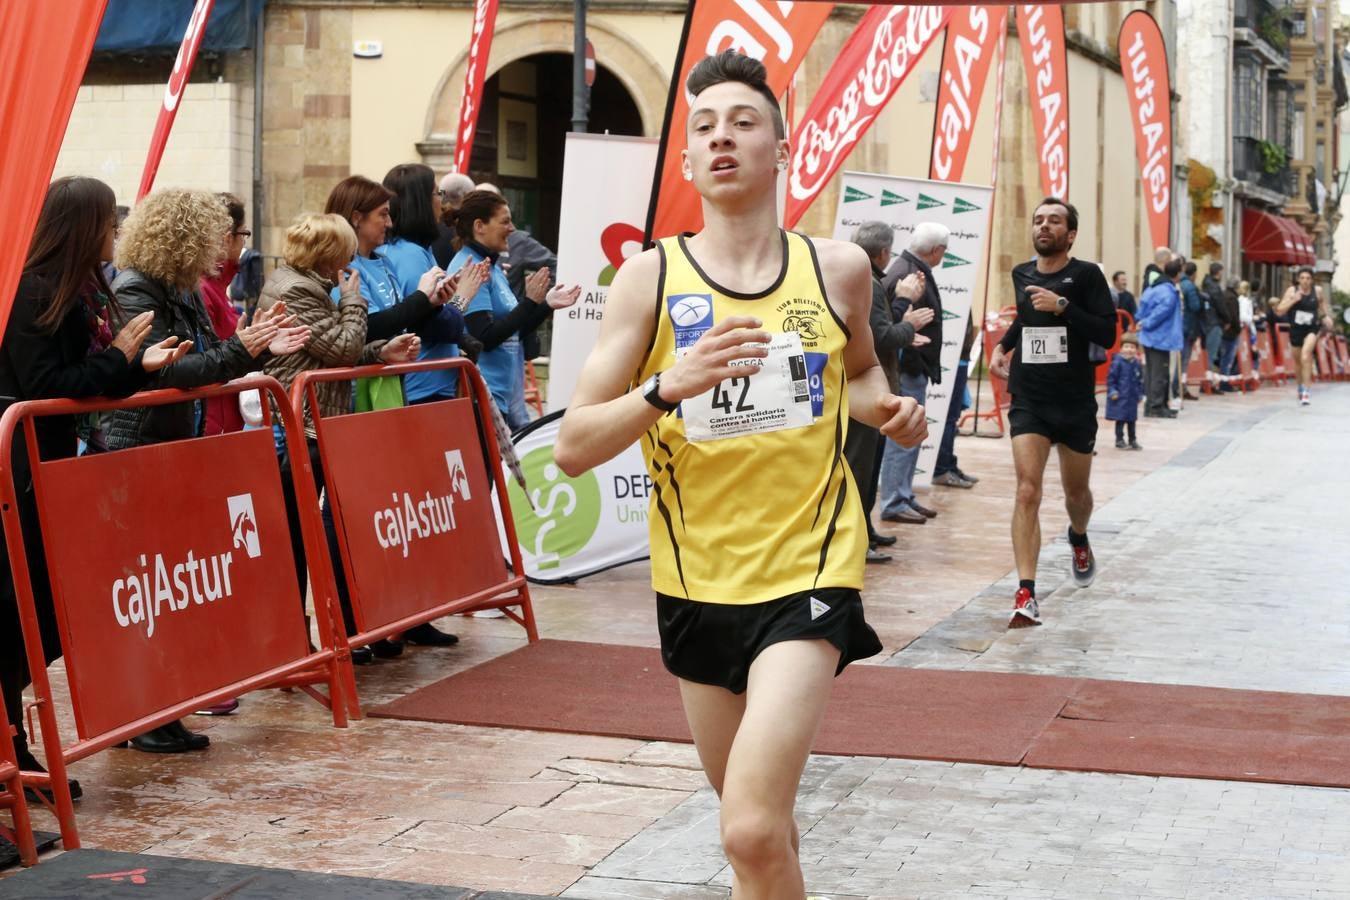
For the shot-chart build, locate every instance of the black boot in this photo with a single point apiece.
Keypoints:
(429, 635)
(29, 763)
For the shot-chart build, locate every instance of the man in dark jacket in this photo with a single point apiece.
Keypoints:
(862, 448)
(1192, 321)
(1121, 296)
(919, 366)
(1213, 318)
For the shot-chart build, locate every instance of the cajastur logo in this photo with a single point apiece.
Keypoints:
(244, 524)
(410, 518)
(156, 585)
(459, 478)
(618, 241)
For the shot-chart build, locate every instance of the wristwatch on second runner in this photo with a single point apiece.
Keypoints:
(651, 391)
(1061, 303)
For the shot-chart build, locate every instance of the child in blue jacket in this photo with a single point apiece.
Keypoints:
(1124, 388)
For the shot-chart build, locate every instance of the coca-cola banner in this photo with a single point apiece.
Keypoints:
(1041, 28)
(974, 35)
(777, 34)
(43, 51)
(475, 72)
(173, 92)
(877, 57)
(1143, 62)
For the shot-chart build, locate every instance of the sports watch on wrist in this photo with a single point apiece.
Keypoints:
(651, 392)
(1061, 303)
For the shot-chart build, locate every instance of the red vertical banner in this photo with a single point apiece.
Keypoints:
(882, 51)
(1143, 63)
(974, 35)
(480, 46)
(44, 48)
(173, 92)
(777, 34)
(1045, 55)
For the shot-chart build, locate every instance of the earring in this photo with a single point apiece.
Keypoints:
(688, 176)
(782, 165)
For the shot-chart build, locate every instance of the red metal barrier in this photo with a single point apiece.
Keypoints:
(1323, 354)
(11, 798)
(1197, 368)
(1342, 358)
(412, 495)
(1285, 366)
(1247, 378)
(1124, 324)
(170, 567)
(1266, 366)
(996, 325)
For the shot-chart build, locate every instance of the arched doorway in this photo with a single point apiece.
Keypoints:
(526, 113)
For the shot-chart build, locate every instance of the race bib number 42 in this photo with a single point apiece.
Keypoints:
(1045, 345)
(774, 398)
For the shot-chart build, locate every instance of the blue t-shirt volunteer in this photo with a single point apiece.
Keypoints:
(410, 262)
(503, 366)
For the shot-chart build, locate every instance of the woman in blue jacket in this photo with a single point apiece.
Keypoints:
(483, 224)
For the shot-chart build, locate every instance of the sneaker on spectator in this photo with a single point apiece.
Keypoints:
(964, 477)
(223, 708)
(951, 479)
(488, 614)
(1026, 611)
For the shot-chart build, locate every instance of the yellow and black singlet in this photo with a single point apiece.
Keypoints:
(767, 506)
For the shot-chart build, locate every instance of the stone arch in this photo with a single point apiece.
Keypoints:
(646, 82)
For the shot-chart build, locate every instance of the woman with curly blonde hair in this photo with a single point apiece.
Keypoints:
(170, 241)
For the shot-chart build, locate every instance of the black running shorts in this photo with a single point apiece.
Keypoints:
(1074, 425)
(715, 643)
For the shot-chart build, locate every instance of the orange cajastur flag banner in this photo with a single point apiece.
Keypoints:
(974, 36)
(1044, 53)
(1143, 62)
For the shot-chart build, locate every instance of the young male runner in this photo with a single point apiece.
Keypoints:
(1063, 305)
(736, 357)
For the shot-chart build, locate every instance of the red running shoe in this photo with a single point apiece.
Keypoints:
(1084, 565)
(1026, 612)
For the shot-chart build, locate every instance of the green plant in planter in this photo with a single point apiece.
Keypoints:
(1273, 157)
(1271, 28)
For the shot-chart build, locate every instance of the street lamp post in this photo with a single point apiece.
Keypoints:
(579, 88)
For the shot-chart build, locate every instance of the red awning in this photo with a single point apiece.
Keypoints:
(1275, 239)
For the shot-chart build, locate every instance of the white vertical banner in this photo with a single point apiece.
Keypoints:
(606, 183)
(902, 203)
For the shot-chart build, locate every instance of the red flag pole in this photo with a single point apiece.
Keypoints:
(475, 73)
(173, 91)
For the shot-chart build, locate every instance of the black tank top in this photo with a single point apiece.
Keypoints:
(1303, 314)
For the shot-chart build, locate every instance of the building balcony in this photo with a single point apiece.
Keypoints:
(1266, 27)
(1250, 165)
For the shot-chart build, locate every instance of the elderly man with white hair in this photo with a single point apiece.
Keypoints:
(453, 187)
(919, 366)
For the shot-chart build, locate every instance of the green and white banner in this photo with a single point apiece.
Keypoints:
(572, 527)
(902, 203)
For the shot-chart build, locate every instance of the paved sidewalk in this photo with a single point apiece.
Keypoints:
(1222, 563)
